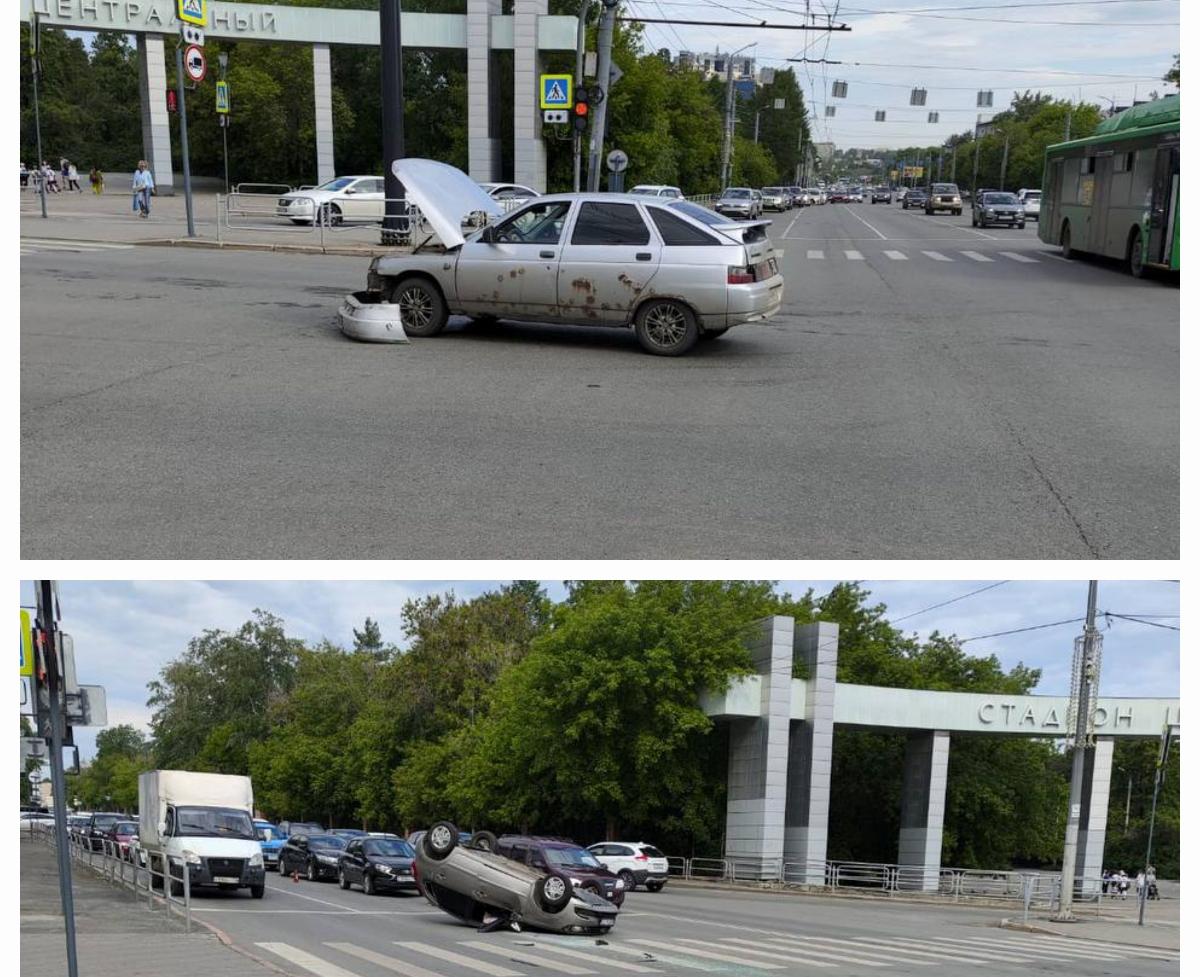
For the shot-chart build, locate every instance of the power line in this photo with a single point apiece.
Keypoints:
(1034, 627)
(1138, 620)
(763, 25)
(953, 600)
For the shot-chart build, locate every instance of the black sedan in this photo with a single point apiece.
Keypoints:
(915, 197)
(95, 832)
(881, 195)
(315, 856)
(378, 865)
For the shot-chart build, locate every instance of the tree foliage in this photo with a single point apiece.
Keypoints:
(110, 781)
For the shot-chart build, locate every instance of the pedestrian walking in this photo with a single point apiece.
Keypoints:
(64, 169)
(1123, 883)
(73, 178)
(50, 175)
(1140, 884)
(1105, 878)
(96, 178)
(1151, 883)
(143, 187)
(24, 175)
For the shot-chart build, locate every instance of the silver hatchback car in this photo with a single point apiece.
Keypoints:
(672, 270)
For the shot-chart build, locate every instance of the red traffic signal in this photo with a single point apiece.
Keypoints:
(172, 105)
(581, 109)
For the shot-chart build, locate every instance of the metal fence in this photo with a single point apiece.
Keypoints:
(131, 867)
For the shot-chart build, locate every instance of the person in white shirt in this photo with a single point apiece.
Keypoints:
(143, 187)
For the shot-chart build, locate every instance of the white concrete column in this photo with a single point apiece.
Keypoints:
(156, 129)
(1093, 815)
(758, 759)
(923, 809)
(810, 756)
(483, 144)
(529, 151)
(323, 103)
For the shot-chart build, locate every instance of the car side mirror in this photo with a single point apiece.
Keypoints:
(489, 234)
(350, 190)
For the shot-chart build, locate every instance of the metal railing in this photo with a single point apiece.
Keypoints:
(131, 867)
(273, 189)
(261, 213)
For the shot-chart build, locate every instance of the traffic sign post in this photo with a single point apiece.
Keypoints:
(617, 161)
(26, 645)
(183, 133)
(555, 92)
(192, 11)
(222, 98)
(194, 64)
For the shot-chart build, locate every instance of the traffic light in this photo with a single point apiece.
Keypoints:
(581, 108)
(172, 106)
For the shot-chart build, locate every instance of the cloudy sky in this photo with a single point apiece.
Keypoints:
(1093, 50)
(125, 632)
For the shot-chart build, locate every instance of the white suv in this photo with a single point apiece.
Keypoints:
(633, 861)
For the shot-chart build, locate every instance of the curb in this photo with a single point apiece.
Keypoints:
(227, 940)
(866, 895)
(1011, 924)
(281, 248)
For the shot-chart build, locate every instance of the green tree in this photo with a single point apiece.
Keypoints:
(1133, 773)
(110, 781)
(28, 767)
(1172, 75)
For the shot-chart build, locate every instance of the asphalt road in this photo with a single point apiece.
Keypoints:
(928, 391)
(316, 929)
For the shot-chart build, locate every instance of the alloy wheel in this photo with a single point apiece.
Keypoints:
(416, 309)
(555, 888)
(440, 836)
(666, 325)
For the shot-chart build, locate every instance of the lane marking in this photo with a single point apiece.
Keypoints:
(882, 236)
(382, 960)
(309, 912)
(789, 957)
(1073, 954)
(975, 256)
(1019, 257)
(591, 958)
(790, 226)
(896, 255)
(816, 255)
(324, 902)
(936, 256)
(925, 948)
(315, 965)
(850, 953)
(707, 954)
(854, 255)
(463, 961)
(525, 957)
(990, 237)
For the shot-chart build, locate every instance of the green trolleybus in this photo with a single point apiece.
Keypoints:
(1116, 193)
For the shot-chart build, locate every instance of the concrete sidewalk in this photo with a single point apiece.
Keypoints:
(110, 218)
(116, 935)
(1116, 923)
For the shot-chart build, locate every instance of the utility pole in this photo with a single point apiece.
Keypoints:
(604, 39)
(954, 163)
(580, 37)
(1128, 798)
(1067, 136)
(50, 662)
(35, 43)
(396, 227)
(975, 172)
(1160, 772)
(727, 147)
(1004, 161)
(183, 147)
(1085, 678)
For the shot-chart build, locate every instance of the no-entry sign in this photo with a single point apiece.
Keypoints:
(194, 64)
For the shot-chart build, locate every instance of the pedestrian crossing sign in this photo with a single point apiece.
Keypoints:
(26, 645)
(192, 11)
(556, 92)
(222, 97)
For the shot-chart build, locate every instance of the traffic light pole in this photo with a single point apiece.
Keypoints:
(183, 148)
(604, 38)
(394, 229)
(49, 637)
(580, 37)
(40, 182)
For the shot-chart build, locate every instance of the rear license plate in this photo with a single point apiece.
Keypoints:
(225, 879)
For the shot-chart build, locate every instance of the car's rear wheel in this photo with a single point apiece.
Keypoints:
(1021, 226)
(368, 884)
(343, 882)
(441, 840)
(1137, 255)
(312, 870)
(552, 892)
(482, 841)
(422, 309)
(626, 876)
(666, 327)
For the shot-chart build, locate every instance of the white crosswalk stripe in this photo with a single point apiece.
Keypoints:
(691, 963)
(854, 255)
(1019, 257)
(816, 255)
(705, 954)
(926, 948)
(301, 958)
(984, 943)
(836, 949)
(811, 950)
(591, 958)
(394, 964)
(1066, 941)
(790, 957)
(33, 245)
(525, 957)
(896, 255)
(491, 969)
(936, 256)
(1060, 945)
(976, 256)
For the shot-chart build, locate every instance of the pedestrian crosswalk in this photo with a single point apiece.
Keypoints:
(38, 245)
(893, 254)
(768, 954)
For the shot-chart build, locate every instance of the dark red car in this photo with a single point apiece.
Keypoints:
(122, 835)
(566, 858)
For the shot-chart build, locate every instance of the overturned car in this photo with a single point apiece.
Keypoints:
(478, 886)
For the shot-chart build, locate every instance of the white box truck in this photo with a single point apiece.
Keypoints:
(201, 823)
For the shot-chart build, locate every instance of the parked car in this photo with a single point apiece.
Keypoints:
(776, 198)
(915, 197)
(634, 862)
(97, 828)
(996, 207)
(738, 202)
(347, 832)
(658, 190)
(558, 855)
(856, 195)
(378, 865)
(344, 199)
(480, 886)
(510, 195)
(670, 270)
(121, 837)
(270, 839)
(316, 855)
(289, 828)
(819, 195)
(943, 196)
(881, 195)
(1031, 201)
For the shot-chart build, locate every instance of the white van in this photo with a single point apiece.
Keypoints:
(202, 822)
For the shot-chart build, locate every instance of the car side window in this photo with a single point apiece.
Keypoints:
(677, 232)
(518, 853)
(170, 821)
(377, 186)
(537, 859)
(611, 224)
(537, 224)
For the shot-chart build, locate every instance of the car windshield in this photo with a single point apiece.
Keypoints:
(106, 821)
(775, 190)
(999, 198)
(647, 191)
(568, 857)
(213, 822)
(1033, 194)
(326, 841)
(652, 851)
(945, 188)
(266, 832)
(340, 183)
(125, 828)
(389, 846)
(700, 213)
(736, 194)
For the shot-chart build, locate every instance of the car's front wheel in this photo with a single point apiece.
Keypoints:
(1137, 255)
(666, 327)
(368, 884)
(343, 882)
(282, 867)
(626, 876)
(654, 886)
(482, 841)
(313, 875)
(1064, 241)
(422, 309)
(256, 891)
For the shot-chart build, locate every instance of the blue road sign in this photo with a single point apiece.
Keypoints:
(555, 91)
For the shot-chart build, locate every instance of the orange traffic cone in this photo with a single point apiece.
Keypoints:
(295, 875)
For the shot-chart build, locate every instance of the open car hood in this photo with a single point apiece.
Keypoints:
(445, 195)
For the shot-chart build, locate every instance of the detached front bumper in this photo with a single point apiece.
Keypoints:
(366, 317)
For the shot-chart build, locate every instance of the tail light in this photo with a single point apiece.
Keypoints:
(641, 858)
(737, 276)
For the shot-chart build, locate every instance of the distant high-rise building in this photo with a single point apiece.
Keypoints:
(714, 63)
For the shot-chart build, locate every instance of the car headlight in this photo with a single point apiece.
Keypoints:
(191, 858)
(576, 881)
(327, 860)
(385, 869)
(990, 212)
(620, 883)
(958, 200)
(256, 860)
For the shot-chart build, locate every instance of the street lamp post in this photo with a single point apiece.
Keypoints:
(727, 149)
(223, 60)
